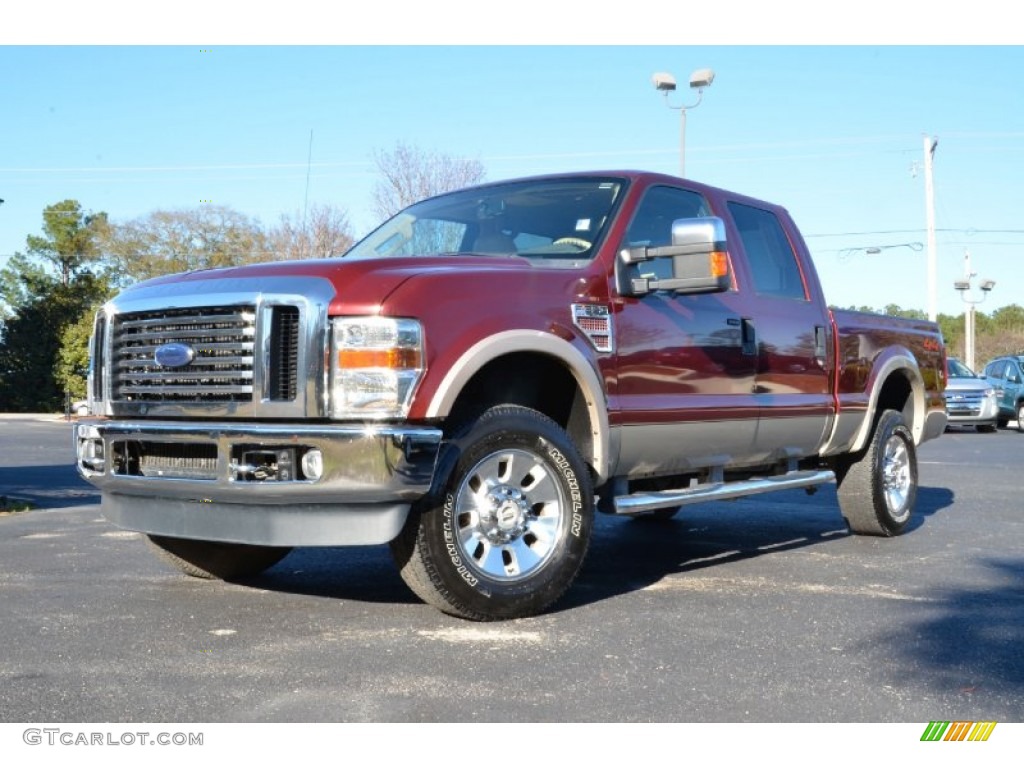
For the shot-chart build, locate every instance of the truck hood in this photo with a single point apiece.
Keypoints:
(360, 286)
(967, 384)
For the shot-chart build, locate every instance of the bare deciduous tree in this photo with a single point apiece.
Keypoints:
(410, 174)
(324, 231)
(163, 242)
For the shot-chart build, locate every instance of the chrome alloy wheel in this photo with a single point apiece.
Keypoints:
(507, 533)
(508, 514)
(897, 479)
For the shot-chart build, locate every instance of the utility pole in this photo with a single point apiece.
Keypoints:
(968, 315)
(929, 194)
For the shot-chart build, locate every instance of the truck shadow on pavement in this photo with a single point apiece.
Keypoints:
(360, 574)
(959, 641)
(625, 555)
(629, 555)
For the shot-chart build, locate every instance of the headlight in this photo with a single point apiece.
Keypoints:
(376, 363)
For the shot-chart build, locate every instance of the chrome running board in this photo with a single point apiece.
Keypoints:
(639, 503)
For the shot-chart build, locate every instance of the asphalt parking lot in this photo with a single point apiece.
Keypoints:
(757, 610)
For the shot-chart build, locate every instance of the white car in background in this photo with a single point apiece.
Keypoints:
(971, 401)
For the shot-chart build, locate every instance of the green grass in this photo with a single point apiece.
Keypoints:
(9, 506)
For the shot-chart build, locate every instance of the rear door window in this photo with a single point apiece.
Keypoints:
(773, 265)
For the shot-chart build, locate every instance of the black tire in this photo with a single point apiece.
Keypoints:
(878, 486)
(215, 559)
(985, 427)
(1020, 417)
(513, 524)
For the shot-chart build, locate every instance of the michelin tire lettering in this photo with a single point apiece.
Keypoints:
(449, 543)
(563, 466)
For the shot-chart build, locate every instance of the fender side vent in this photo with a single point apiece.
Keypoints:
(595, 321)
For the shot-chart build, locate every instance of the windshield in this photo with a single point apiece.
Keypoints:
(556, 222)
(958, 370)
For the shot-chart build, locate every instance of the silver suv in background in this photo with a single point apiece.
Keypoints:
(971, 401)
(1006, 374)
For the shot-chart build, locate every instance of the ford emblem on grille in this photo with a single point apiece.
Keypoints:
(173, 355)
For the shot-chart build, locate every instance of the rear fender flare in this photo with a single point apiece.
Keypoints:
(897, 361)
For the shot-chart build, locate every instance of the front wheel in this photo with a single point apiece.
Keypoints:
(513, 524)
(216, 559)
(1020, 417)
(878, 486)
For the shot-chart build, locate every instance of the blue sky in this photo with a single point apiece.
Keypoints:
(834, 133)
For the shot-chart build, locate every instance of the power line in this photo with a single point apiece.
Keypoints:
(759, 146)
(968, 231)
(184, 167)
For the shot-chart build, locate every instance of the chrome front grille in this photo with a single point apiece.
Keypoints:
(229, 347)
(222, 343)
(964, 402)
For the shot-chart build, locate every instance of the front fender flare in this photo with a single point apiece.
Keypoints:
(525, 340)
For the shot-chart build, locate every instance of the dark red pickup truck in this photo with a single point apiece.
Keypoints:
(484, 371)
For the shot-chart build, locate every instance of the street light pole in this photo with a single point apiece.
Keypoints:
(969, 312)
(666, 83)
(682, 139)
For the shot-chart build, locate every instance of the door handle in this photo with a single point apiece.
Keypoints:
(820, 345)
(748, 337)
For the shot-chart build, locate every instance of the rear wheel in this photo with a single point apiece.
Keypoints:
(216, 559)
(878, 486)
(512, 527)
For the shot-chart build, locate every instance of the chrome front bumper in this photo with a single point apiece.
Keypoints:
(256, 483)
